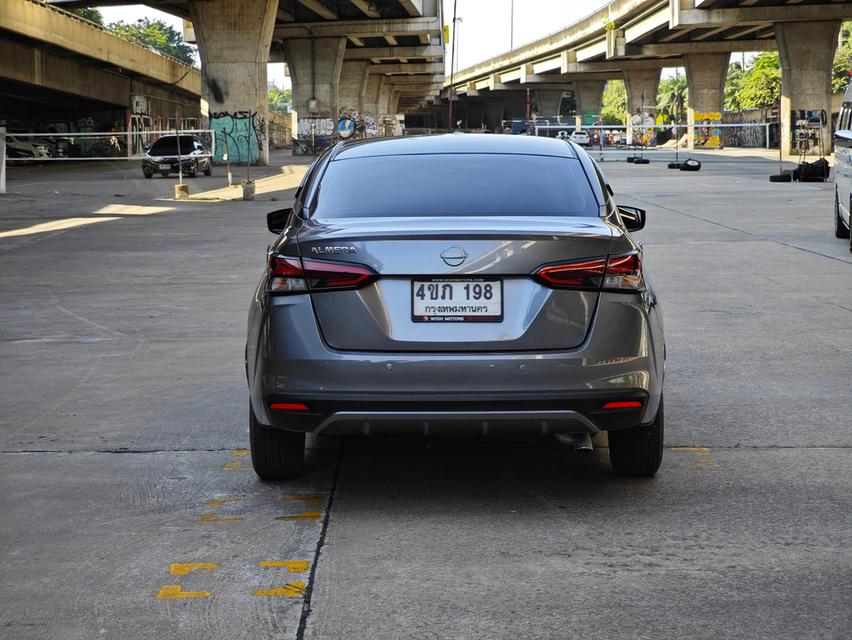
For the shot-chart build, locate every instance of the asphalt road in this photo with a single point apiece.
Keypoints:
(129, 509)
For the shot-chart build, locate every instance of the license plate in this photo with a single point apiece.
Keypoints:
(165, 167)
(457, 300)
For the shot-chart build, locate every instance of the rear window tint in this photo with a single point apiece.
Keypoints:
(169, 146)
(456, 184)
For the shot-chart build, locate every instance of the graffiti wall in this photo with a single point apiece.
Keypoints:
(641, 129)
(708, 133)
(239, 135)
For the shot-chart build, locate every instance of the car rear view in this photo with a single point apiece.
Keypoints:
(455, 285)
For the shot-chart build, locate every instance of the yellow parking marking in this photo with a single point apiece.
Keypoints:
(316, 500)
(289, 590)
(235, 465)
(307, 515)
(240, 453)
(293, 566)
(215, 503)
(704, 459)
(56, 225)
(692, 449)
(175, 592)
(212, 517)
(132, 209)
(179, 569)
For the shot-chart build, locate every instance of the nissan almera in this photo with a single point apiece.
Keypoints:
(455, 284)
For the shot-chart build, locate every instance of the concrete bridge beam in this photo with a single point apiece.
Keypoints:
(807, 52)
(705, 76)
(233, 43)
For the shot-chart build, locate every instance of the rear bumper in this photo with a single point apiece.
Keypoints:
(458, 414)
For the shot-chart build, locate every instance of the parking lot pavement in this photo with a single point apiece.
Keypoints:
(129, 510)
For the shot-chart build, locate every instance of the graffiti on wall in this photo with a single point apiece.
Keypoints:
(707, 131)
(359, 125)
(641, 129)
(314, 135)
(239, 135)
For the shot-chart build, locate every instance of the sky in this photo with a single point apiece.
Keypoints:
(484, 31)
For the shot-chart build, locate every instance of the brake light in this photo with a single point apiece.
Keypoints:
(298, 275)
(613, 273)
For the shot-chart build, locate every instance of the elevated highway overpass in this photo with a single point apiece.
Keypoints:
(374, 58)
(55, 66)
(635, 39)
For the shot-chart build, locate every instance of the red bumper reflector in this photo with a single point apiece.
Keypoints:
(625, 404)
(288, 406)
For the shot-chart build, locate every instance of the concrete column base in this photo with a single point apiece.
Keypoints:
(641, 85)
(806, 50)
(548, 103)
(705, 76)
(589, 94)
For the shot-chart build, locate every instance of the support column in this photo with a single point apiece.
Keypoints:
(516, 104)
(806, 50)
(352, 88)
(233, 44)
(705, 77)
(589, 94)
(475, 115)
(641, 85)
(548, 102)
(315, 69)
(494, 110)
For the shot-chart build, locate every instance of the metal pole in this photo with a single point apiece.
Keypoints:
(511, 25)
(180, 162)
(450, 122)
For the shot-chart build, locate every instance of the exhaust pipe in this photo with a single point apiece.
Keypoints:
(582, 442)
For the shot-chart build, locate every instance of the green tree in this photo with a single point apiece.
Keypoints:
(89, 13)
(614, 103)
(279, 100)
(732, 86)
(760, 85)
(842, 67)
(671, 99)
(157, 35)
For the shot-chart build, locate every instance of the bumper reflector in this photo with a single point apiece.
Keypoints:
(624, 404)
(288, 406)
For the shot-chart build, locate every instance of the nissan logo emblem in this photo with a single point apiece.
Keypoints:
(454, 255)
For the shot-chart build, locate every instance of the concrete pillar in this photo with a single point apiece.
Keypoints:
(494, 110)
(705, 76)
(641, 85)
(373, 95)
(315, 69)
(515, 104)
(352, 87)
(475, 115)
(807, 52)
(588, 94)
(233, 44)
(548, 102)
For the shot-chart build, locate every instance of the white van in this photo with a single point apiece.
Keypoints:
(843, 168)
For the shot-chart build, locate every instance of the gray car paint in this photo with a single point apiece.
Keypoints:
(598, 341)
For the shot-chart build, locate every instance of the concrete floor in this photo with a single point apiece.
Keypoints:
(123, 435)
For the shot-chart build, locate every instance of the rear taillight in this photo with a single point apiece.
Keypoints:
(616, 272)
(297, 275)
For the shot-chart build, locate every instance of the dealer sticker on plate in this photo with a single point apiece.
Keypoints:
(457, 300)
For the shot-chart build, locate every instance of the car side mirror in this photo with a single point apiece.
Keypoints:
(277, 220)
(632, 217)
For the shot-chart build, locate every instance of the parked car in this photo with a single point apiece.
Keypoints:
(492, 285)
(843, 169)
(580, 137)
(22, 147)
(162, 157)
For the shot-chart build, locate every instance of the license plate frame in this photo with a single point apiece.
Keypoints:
(461, 316)
(164, 167)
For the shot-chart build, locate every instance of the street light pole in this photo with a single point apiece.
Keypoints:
(511, 25)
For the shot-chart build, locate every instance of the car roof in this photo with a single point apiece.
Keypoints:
(450, 143)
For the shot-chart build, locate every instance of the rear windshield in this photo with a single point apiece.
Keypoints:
(454, 185)
(169, 146)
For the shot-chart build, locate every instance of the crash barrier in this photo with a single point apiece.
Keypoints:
(90, 145)
(666, 137)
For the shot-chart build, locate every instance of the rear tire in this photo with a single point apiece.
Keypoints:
(209, 170)
(147, 175)
(840, 229)
(637, 452)
(275, 454)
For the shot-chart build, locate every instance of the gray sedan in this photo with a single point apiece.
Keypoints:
(455, 284)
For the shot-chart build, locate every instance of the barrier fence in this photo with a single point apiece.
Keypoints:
(112, 145)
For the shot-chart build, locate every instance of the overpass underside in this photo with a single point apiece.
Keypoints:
(634, 40)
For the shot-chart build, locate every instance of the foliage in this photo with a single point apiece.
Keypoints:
(733, 83)
(842, 67)
(89, 13)
(672, 99)
(614, 103)
(279, 100)
(157, 35)
(760, 85)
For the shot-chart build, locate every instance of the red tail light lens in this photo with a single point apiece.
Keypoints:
(580, 274)
(615, 272)
(298, 275)
(289, 406)
(623, 404)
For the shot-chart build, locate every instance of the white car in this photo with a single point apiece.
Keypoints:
(20, 148)
(580, 137)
